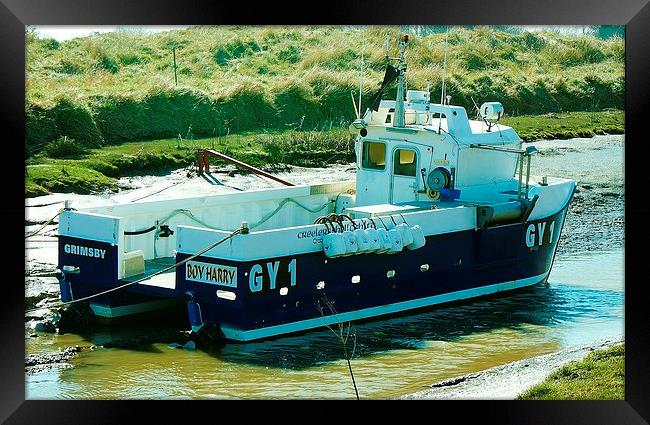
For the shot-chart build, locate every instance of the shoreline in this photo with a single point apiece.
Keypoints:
(600, 197)
(507, 381)
(95, 170)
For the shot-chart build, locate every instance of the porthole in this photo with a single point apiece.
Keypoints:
(226, 295)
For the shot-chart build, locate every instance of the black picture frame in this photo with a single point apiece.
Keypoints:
(634, 14)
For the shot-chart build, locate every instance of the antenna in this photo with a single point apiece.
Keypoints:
(399, 101)
(444, 71)
(363, 46)
(478, 111)
(354, 105)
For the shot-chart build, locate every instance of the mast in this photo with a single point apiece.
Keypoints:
(444, 71)
(399, 101)
(363, 45)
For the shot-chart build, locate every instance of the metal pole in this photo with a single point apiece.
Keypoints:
(527, 174)
(175, 77)
(444, 71)
(399, 101)
(247, 167)
(199, 161)
(363, 45)
(521, 172)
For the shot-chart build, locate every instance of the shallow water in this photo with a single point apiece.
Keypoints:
(583, 301)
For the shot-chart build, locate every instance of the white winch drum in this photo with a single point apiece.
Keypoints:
(384, 240)
(491, 110)
(363, 242)
(395, 241)
(350, 243)
(407, 234)
(374, 240)
(418, 238)
(334, 245)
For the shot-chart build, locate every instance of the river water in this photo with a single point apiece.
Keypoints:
(582, 302)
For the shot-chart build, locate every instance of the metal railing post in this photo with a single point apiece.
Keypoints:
(521, 172)
(528, 175)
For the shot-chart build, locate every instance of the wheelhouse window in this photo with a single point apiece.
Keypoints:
(374, 155)
(405, 162)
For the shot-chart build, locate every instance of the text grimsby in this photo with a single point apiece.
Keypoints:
(84, 251)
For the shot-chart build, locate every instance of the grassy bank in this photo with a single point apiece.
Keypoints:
(119, 87)
(567, 125)
(80, 170)
(599, 376)
(97, 169)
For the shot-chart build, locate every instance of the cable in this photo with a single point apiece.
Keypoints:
(264, 219)
(173, 266)
(341, 216)
(140, 232)
(325, 221)
(158, 191)
(382, 222)
(29, 235)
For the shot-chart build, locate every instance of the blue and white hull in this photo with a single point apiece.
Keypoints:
(450, 267)
(278, 281)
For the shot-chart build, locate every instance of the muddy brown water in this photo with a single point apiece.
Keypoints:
(582, 302)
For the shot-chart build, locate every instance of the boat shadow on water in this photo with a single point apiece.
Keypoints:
(541, 305)
(545, 305)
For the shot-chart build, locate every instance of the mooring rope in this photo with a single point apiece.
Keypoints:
(44, 205)
(29, 235)
(173, 266)
(158, 191)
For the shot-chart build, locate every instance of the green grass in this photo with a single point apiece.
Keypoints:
(599, 376)
(98, 168)
(567, 125)
(65, 178)
(119, 87)
(265, 149)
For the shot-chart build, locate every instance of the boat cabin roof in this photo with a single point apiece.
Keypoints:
(434, 116)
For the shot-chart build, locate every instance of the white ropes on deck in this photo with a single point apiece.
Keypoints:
(263, 220)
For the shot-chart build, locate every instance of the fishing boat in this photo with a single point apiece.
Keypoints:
(443, 208)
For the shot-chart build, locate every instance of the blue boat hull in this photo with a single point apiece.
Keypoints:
(321, 291)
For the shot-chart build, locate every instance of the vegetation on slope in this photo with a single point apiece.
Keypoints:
(599, 376)
(119, 87)
(262, 149)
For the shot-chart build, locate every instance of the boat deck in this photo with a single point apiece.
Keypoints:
(396, 209)
(163, 280)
